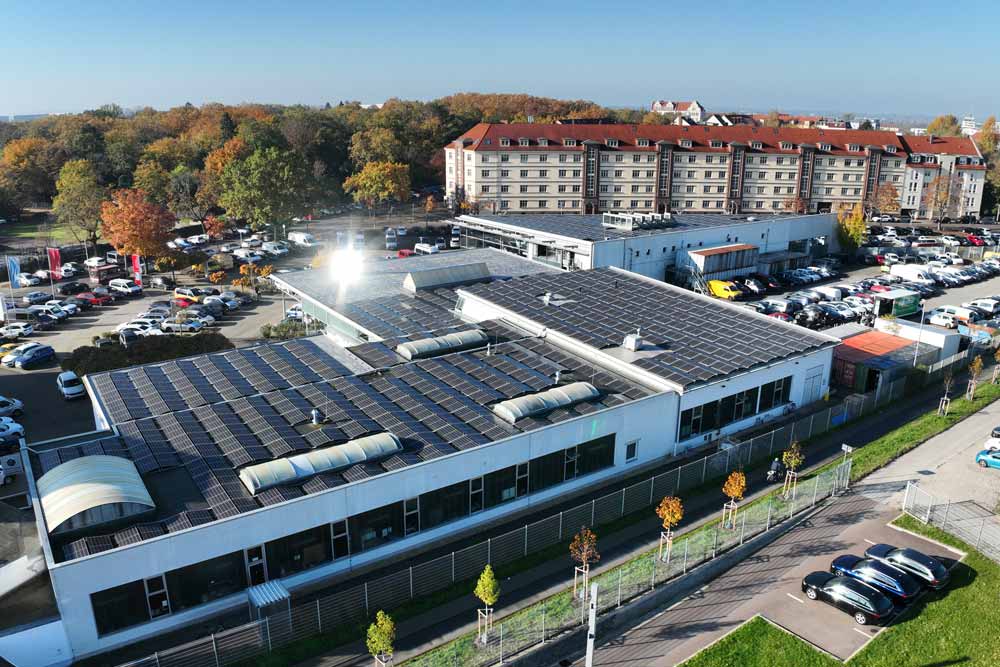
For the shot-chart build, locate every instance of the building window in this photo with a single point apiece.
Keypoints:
(504, 157)
(120, 607)
(206, 581)
(449, 503)
(543, 158)
(504, 141)
(376, 527)
(341, 545)
(298, 552)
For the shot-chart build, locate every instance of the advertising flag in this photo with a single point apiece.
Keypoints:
(137, 269)
(13, 268)
(55, 260)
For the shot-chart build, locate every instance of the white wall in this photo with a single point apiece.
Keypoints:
(651, 421)
(948, 341)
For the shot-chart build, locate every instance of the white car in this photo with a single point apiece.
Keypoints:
(252, 243)
(156, 316)
(11, 407)
(950, 241)
(93, 262)
(125, 287)
(946, 320)
(229, 247)
(275, 248)
(248, 256)
(198, 239)
(227, 304)
(10, 429)
(185, 326)
(28, 280)
(400, 231)
(16, 330)
(70, 308)
(70, 386)
(138, 326)
(295, 312)
(45, 274)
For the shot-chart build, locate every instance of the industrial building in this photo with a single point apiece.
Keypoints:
(292, 463)
(661, 246)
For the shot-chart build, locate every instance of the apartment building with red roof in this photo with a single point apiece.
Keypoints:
(580, 168)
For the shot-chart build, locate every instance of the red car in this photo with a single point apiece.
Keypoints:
(879, 288)
(181, 302)
(780, 316)
(975, 240)
(95, 299)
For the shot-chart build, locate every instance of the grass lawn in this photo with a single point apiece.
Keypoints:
(33, 228)
(950, 627)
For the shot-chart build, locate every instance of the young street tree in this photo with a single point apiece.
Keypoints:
(850, 227)
(734, 489)
(583, 549)
(77, 203)
(942, 196)
(793, 460)
(134, 225)
(381, 638)
(271, 186)
(671, 511)
(488, 591)
(378, 182)
(885, 199)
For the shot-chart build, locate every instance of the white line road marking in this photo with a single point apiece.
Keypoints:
(862, 633)
(800, 601)
(869, 542)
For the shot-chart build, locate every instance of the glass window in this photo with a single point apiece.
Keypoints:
(546, 471)
(411, 515)
(476, 495)
(120, 607)
(596, 454)
(447, 504)
(156, 595)
(522, 479)
(569, 463)
(206, 581)
(631, 451)
(341, 545)
(376, 527)
(298, 552)
(500, 486)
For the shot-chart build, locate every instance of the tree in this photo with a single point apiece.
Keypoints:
(735, 485)
(381, 637)
(850, 227)
(942, 196)
(583, 549)
(215, 163)
(215, 226)
(227, 127)
(217, 277)
(378, 182)
(975, 368)
(77, 203)
(773, 119)
(182, 193)
(671, 511)
(268, 187)
(28, 168)
(488, 591)
(378, 144)
(866, 125)
(429, 204)
(135, 225)
(945, 126)
(153, 179)
(988, 138)
(793, 459)
(885, 199)
(794, 204)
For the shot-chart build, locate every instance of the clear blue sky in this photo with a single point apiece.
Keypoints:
(892, 57)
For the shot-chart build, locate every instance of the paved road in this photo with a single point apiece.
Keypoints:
(762, 584)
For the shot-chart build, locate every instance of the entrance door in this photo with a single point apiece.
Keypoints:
(813, 385)
(256, 565)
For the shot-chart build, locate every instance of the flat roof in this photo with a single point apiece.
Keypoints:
(189, 429)
(690, 339)
(379, 301)
(589, 227)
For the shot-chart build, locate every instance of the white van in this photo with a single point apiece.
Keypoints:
(912, 272)
(425, 249)
(391, 242)
(303, 239)
(833, 293)
(124, 286)
(456, 237)
(991, 306)
(957, 312)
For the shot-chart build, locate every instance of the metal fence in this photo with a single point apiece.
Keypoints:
(361, 601)
(967, 520)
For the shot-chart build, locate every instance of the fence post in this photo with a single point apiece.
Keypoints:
(623, 504)
(543, 623)
(560, 526)
(267, 624)
(743, 527)
(620, 586)
(947, 511)
(489, 550)
(715, 543)
(767, 526)
(593, 511)
(815, 489)
(812, 424)
(367, 610)
(704, 468)
(319, 618)
(829, 418)
(501, 643)
(525, 539)
(728, 459)
(684, 567)
(791, 431)
(906, 496)
(770, 445)
(411, 582)
(930, 508)
(651, 490)
(652, 579)
(980, 538)
(215, 650)
(452, 567)
(156, 656)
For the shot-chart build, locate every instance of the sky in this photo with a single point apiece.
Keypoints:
(866, 57)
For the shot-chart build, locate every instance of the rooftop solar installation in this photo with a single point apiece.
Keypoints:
(248, 406)
(688, 339)
(589, 227)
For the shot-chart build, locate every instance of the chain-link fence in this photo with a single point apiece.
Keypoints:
(967, 520)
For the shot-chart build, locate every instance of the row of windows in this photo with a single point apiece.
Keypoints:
(760, 189)
(140, 601)
(705, 188)
(778, 175)
(692, 174)
(621, 188)
(717, 414)
(781, 159)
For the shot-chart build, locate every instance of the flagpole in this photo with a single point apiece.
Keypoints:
(10, 282)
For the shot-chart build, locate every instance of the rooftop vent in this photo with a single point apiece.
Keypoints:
(633, 341)
(633, 221)
(544, 401)
(295, 469)
(432, 347)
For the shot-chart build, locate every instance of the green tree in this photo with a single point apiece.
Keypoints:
(381, 636)
(773, 119)
(866, 125)
(487, 588)
(268, 187)
(850, 227)
(945, 126)
(77, 203)
(793, 457)
(227, 127)
(182, 193)
(379, 144)
(154, 180)
(988, 138)
(378, 182)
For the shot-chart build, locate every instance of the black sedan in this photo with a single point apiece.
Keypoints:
(926, 569)
(67, 289)
(860, 600)
(891, 581)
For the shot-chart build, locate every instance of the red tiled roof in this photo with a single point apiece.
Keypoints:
(867, 345)
(679, 106)
(788, 118)
(941, 145)
(486, 137)
(922, 165)
(973, 167)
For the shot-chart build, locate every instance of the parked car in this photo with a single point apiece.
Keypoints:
(124, 287)
(183, 326)
(275, 248)
(251, 243)
(50, 310)
(73, 288)
(11, 407)
(162, 282)
(860, 600)
(10, 430)
(29, 355)
(229, 247)
(986, 458)
(35, 298)
(294, 313)
(889, 580)
(28, 280)
(95, 299)
(926, 569)
(70, 386)
(15, 330)
(70, 308)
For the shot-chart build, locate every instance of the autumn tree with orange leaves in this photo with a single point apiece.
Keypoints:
(134, 225)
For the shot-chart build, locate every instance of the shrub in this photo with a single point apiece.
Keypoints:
(88, 359)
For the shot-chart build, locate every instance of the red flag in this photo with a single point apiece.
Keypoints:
(55, 260)
(137, 269)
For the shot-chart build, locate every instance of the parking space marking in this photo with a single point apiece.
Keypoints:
(862, 633)
(869, 542)
(799, 600)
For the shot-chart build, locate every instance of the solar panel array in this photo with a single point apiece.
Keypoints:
(402, 315)
(436, 407)
(701, 340)
(146, 391)
(589, 227)
(381, 354)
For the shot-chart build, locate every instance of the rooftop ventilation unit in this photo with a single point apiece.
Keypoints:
(633, 342)
(432, 347)
(296, 469)
(633, 221)
(545, 401)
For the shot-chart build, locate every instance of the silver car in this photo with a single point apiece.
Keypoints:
(11, 407)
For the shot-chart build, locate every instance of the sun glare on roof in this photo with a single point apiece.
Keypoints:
(346, 266)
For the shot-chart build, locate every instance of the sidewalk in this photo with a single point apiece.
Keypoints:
(451, 620)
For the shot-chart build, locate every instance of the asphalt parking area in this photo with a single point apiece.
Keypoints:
(46, 414)
(821, 624)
